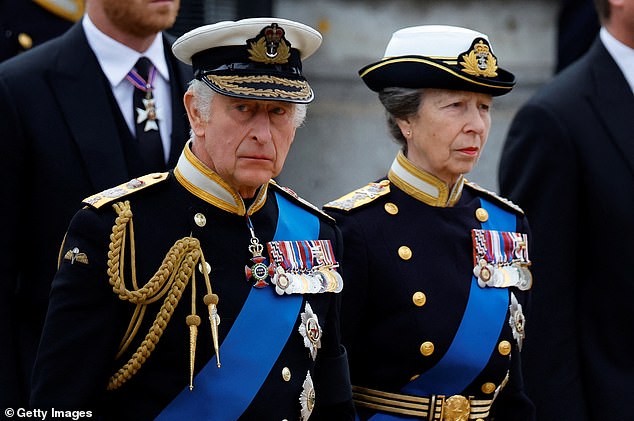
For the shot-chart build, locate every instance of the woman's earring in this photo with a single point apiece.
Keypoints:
(409, 133)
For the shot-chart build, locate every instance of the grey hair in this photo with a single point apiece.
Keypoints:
(203, 95)
(400, 103)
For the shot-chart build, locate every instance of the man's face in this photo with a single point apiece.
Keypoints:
(142, 18)
(244, 141)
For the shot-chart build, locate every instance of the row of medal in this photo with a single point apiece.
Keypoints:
(501, 259)
(304, 267)
(315, 282)
(503, 276)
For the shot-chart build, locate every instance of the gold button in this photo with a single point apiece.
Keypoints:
(25, 41)
(391, 208)
(482, 215)
(414, 377)
(419, 299)
(504, 348)
(427, 348)
(405, 252)
(200, 219)
(286, 374)
(488, 388)
(157, 175)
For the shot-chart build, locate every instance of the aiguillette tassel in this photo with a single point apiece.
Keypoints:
(211, 300)
(193, 321)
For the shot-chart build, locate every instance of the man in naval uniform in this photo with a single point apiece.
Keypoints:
(209, 292)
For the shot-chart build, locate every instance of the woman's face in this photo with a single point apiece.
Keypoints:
(448, 133)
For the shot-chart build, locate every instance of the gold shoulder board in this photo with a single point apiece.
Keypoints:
(134, 185)
(495, 197)
(360, 197)
(295, 197)
(70, 10)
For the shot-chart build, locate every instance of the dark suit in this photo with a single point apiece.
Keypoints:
(63, 138)
(569, 162)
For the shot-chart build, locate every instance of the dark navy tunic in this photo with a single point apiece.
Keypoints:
(408, 264)
(86, 319)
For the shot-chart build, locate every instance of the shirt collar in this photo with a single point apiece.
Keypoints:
(117, 59)
(621, 53)
(422, 185)
(207, 185)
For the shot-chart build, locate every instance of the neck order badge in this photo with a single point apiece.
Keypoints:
(147, 130)
(142, 77)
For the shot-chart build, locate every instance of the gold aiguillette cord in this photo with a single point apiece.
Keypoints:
(193, 320)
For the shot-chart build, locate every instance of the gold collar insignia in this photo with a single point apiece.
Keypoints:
(206, 184)
(422, 185)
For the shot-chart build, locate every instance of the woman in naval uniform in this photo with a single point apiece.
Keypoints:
(436, 268)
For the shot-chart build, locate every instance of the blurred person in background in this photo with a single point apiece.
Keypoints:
(568, 161)
(577, 27)
(25, 24)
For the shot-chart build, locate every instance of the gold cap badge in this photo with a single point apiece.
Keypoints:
(269, 46)
(479, 61)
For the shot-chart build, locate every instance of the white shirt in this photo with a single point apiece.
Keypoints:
(621, 53)
(116, 60)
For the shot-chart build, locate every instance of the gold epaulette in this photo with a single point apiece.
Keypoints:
(295, 197)
(360, 197)
(495, 196)
(134, 185)
(71, 10)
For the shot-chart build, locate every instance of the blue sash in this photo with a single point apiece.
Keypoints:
(476, 337)
(225, 393)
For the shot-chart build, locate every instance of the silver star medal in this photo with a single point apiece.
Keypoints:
(148, 115)
(517, 321)
(311, 331)
(307, 397)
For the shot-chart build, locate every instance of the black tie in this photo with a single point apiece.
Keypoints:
(146, 122)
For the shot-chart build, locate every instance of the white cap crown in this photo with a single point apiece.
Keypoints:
(431, 41)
